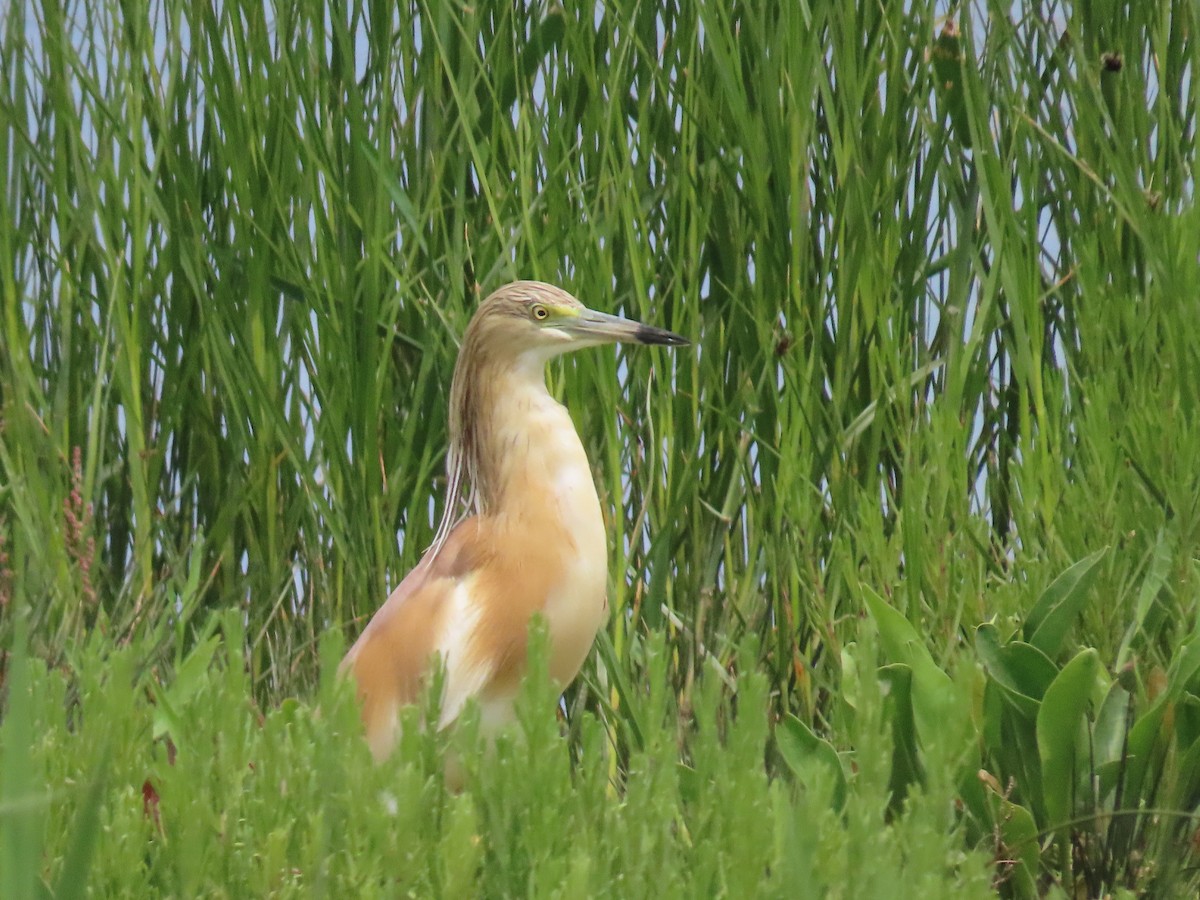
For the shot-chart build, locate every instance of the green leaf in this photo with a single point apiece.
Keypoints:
(1020, 670)
(190, 678)
(1153, 730)
(1112, 725)
(1187, 720)
(1019, 835)
(1060, 732)
(803, 750)
(1010, 741)
(1161, 556)
(1060, 604)
(1016, 829)
(1183, 792)
(933, 699)
(1185, 668)
(906, 759)
(994, 709)
(1143, 752)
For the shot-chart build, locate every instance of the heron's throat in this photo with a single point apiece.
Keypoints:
(514, 450)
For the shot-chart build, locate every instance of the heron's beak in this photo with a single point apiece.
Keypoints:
(593, 327)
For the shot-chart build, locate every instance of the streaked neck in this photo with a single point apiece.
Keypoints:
(513, 447)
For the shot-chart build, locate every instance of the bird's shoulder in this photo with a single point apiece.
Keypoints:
(467, 548)
(421, 592)
(392, 653)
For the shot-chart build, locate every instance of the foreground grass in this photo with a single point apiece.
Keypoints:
(126, 779)
(188, 789)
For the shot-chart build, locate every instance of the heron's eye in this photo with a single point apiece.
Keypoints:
(540, 313)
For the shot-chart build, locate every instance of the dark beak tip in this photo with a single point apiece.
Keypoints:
(648, 334)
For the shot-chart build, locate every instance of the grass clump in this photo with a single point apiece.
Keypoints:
(201, 790)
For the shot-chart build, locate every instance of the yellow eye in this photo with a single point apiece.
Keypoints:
(540, 312)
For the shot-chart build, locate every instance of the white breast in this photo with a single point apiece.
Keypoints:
(555, 466)
(465, 674)
(577, 607)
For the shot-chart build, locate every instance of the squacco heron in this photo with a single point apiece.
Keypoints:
(530, 541)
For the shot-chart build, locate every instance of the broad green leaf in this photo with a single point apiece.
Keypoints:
(981, 819)
(1020, 670)
(906, 758)
(1108, 775)
(994, 710)
(1113, 722)
(1144, 751)
(1019, 837)
(1187, 720)
(1060, 604)
(932, 688)
(1185, 790)
(1060, 732)
(1010, 742)
(851, 683)
(801, 749)
(1017, 831)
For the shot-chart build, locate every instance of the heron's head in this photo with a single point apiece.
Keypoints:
(537, 321)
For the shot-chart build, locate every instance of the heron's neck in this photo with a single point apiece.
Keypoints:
(517, 448)
(529, 451)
